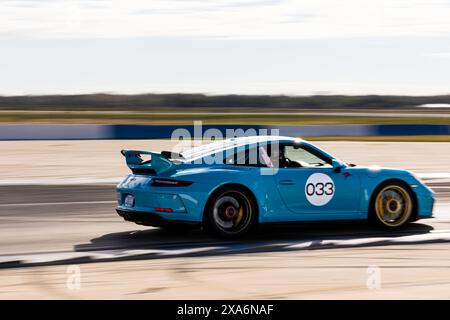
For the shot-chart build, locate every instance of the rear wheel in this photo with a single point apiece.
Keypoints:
(230, 213)
(392, 205)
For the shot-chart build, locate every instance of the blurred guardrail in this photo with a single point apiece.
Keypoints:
(92, 131)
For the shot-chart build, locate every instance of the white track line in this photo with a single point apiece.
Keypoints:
(60, 181)
(54, 203)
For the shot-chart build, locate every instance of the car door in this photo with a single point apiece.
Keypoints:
(315, 187)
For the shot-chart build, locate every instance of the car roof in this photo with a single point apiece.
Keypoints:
(222, 145)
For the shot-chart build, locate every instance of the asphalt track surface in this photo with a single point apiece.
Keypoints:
(57, 217)
(43, 227)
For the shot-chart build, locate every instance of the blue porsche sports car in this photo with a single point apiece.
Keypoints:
(229, 186)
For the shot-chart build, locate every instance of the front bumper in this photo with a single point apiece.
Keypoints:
(426, 200)
(151, 218)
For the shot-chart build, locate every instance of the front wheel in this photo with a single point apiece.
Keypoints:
(392, 205)
(230, 213)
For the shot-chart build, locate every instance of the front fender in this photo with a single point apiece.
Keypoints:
(424, 196)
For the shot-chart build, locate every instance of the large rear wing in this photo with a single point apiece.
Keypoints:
(157, 163)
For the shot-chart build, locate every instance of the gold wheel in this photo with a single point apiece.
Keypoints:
(393, 206)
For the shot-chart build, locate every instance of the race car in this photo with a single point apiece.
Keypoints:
(229, 186)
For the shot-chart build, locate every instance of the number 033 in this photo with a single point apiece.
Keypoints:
(320, 189)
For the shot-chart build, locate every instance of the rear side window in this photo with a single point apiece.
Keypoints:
(253, 157)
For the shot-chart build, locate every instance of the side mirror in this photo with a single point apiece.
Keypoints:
(337, 165)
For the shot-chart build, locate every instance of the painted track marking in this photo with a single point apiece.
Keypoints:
(54, 203)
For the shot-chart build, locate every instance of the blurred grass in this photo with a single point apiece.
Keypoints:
(255, 118)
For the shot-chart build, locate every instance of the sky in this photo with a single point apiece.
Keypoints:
(290, 47)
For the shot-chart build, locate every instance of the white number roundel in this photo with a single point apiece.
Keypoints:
(319, 189)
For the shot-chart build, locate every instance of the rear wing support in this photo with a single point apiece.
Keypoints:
(157, 163)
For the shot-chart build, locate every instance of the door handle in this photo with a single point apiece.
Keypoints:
(287, 182)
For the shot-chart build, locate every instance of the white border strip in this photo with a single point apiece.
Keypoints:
(264, 246)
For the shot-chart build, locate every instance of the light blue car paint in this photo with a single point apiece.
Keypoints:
(281, 197)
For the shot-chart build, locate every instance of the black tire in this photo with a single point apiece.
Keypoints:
(392, 205)
(230, 212)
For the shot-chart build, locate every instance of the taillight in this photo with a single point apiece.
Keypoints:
(163, 210)
(158, 182)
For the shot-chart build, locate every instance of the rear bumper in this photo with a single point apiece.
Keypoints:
(151, 218)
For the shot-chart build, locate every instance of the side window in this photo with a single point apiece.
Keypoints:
(248, 157)
(298, 156)
(278, 156)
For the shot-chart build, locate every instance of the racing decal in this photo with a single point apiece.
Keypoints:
(319, 189)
